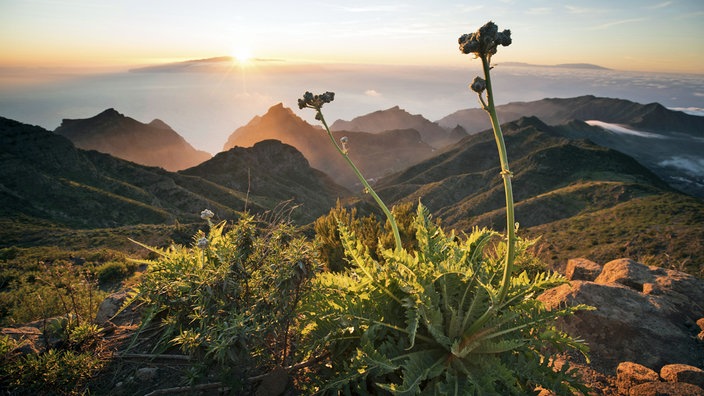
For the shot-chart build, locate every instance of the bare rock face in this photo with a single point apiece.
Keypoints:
(110, 307)
(666, 389)
(629, 374)
(582, 269)
(683, 373)
(646, 315)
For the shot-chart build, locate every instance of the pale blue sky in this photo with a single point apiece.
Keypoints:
(649, 35)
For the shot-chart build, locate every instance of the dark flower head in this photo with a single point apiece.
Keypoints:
(315, 101)
(478, 85)
(484, 41)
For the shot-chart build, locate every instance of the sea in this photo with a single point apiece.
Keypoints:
(205, 105)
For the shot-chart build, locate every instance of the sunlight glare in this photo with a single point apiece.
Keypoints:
(242, 54)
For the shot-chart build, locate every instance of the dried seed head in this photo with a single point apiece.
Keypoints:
(315, 101)
(483, 42)
(207, 214)
(478, 85)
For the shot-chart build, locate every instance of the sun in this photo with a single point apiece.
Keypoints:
(242, 54)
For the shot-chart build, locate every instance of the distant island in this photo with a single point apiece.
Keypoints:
(588, 66)
(198, 65)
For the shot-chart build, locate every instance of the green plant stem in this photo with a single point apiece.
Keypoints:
(387, 212)
(506, 175)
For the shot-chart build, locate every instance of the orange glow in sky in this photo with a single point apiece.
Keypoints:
(647, 35)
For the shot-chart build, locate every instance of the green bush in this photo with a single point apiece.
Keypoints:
(58, 289)
(114, 272)
(52, 373)
(430, 321)
(231, 298)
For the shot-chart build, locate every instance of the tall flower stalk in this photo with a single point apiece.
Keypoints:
(483, 44)
(316, 103)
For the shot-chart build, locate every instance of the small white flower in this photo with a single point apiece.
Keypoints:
(207, 214)
(202, 243)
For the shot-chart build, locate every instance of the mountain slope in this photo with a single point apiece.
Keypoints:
(669, 143)
(377, 155)
(274, 172)
(397, 118)
(554, 111)
(556, 180)
(153, 144)
(43, 176)
(46, 180)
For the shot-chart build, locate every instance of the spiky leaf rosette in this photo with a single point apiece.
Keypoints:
(430, 321)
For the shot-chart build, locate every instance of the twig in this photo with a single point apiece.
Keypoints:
(144, 356)
(294, 367)
(184, 389)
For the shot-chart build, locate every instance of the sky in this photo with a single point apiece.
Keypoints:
(638, 35)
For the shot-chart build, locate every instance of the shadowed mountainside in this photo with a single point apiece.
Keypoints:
(273, 172)
(553, 111)
(153, 144)
(377, 155)
(669, 143)
(45, 179)
(556, 180)
(397, 118)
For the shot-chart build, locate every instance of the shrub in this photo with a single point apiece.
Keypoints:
(431, 321)
(230, 299)
(52, 373)
(59, 289)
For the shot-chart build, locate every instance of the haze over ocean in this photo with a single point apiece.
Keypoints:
(206, 106)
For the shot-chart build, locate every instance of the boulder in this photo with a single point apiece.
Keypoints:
(107, 314)
(666, 389)
(30, 340)
(109, 307)
(582, 269)
(274, 383)
(626, 272)
(684, 293)
(683, 373)
(652, 328)
(629, 374)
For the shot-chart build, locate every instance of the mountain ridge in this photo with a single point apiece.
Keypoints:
(563, 174)
(397, 118)
(152, 144)
(399, 147)
(680, 136)
(45, 178)
(556, 179)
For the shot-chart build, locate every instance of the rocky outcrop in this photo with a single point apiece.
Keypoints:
(582, 269)
(629, 374)
(683, 373)
(674, 380)
(644, 314)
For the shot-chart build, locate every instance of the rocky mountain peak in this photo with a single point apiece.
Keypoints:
(279, 122)
(397, 118)
(157, 123)
(111, 112)
(279, 112)
(153, 144)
